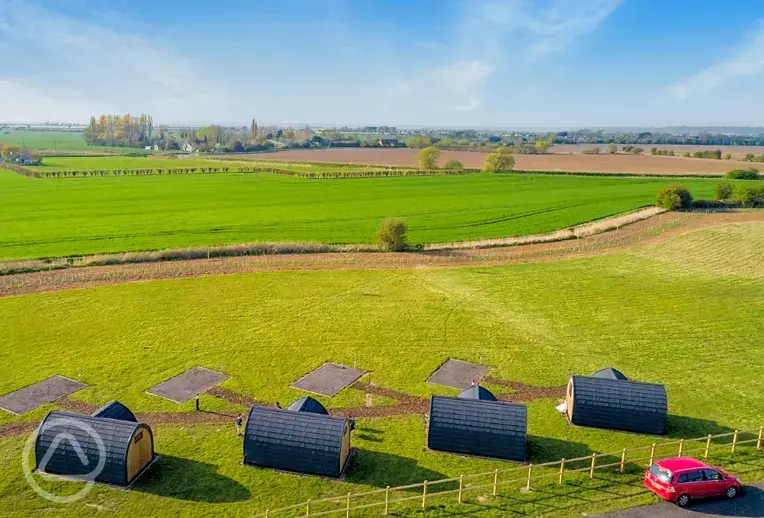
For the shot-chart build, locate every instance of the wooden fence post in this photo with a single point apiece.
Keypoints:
(761, 433)
(424, 495)
(461, 486)
(495, 482)
(681, 447)
(267, 513)
(347, 507)
(591, 469)
(307, 508)
(623, 459)
(734, 441)
(530, 473)
(652, 454)
(708, 446)
(387, 500)
(562, 470)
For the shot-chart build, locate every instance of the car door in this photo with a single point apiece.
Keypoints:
(714, 483)
(695, 484)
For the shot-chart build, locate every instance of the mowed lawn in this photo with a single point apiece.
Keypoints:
(111, 163)
(75, 216)
(683, 313)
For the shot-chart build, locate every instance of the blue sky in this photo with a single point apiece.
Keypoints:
(461, 63)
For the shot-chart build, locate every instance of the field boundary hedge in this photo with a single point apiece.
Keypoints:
(377, 172)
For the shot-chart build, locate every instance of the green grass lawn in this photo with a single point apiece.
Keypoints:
(110, 163)
(75, 216)
(693, 323)
(54, 141)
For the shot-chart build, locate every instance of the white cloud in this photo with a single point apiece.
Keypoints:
(749, 61)
(83, 67)
(491, 33)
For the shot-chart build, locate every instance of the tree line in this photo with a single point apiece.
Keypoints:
(119, 131)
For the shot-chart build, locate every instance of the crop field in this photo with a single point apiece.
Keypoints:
(737, 152)
(686, 312)
(111, 163)
(74, 216)
(55, 141)
(124, 162)
(623, 164)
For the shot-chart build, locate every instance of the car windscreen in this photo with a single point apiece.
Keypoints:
(661, 474)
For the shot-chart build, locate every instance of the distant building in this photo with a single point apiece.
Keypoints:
(187, 146)
(390, 142)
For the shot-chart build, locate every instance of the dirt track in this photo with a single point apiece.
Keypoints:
(651, 230)
(603, 163)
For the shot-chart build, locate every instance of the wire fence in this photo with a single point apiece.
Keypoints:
(523, 477)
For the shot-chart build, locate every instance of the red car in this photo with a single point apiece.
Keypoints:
(683, 479)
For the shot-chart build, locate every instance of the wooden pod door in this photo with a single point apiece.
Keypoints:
(140, 452)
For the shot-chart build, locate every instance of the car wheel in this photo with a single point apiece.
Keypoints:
(683, 500)
(732, 492)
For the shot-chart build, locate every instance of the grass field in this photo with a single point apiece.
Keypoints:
(111, 163)
(697, 329)
(125, 162)
(73, 216)
(60, 141)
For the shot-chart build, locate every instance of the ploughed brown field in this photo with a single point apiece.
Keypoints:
(737, 152)
(644, 164)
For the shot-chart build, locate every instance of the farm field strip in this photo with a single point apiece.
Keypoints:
(656, 230)
(40, 218)
(644, 164)
(533, 323)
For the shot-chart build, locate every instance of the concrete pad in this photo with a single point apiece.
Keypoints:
(34, 396)
(458, 374)
(329, 379)
(184, 386)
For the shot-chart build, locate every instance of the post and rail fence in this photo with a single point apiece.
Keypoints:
(521, 477)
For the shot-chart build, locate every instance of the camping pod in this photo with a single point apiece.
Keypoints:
(307, 404)
(478, 427)
(629, 406)
(304, 442)
(477, 392)
(115, 410)
(610, 373)
(122, 450)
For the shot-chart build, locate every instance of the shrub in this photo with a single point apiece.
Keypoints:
(392, 235)
(743, 174)
(612, 148)
(674, 197)
(454, 165)
(428, 158)
(499, 160)
(591, 151)
(723, 190)
(749, 194)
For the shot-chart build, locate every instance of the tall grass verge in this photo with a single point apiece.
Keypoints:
(579, 231)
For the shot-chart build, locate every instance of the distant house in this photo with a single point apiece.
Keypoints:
(187, 146)
(277, 144)
(390, 142)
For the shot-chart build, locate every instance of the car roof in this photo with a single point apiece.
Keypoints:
(681, 463)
